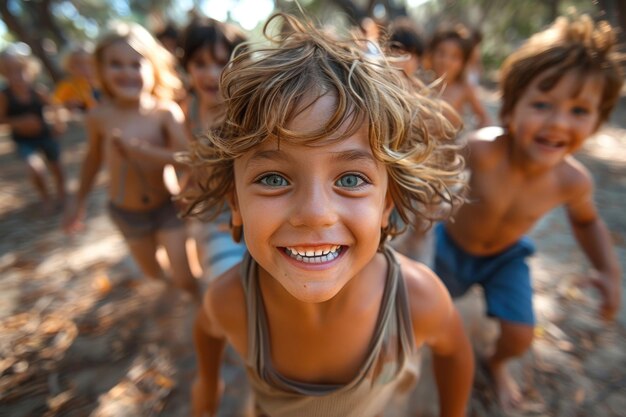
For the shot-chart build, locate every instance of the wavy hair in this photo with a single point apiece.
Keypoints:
(204, 32)
(265, 89)
(167, 85)
(570, 44)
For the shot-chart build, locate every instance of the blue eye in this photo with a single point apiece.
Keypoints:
(350, 181)
(540, 105)
(274, 180)
(580, 111)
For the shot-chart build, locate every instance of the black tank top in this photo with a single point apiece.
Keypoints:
(34, 106)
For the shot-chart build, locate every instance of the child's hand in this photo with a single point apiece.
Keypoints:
(610, 291)
(58, 128)
(202, 405)
(128, 147)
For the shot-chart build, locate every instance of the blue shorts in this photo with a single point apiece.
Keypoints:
(505, 277)
(48, 146)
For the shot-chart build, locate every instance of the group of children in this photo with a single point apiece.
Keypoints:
(449, 61)
(315, 154)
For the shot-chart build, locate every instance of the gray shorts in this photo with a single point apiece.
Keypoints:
(138, 224)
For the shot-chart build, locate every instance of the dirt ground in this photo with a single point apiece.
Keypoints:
(82, 335)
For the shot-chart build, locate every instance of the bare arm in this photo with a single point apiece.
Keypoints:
(453, 362)
(437, 323)
(595, 241)
(89, 170)
(209, 345)
(54, 110)
(176, 139)
(477, 107)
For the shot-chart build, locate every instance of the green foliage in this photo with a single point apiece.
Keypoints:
(504, 24)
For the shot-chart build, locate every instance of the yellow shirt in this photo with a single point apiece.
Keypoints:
(75, 93)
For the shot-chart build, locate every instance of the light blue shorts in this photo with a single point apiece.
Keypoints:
(220, 251)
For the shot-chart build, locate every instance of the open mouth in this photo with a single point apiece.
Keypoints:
(555, 144)
(314, 256)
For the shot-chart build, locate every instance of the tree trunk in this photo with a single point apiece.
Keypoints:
(47, 20)
(351, 9)
(553, 10)
(25, 34)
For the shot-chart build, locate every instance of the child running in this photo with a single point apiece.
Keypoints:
(450, 50)
(22, 106)
(136, 131)
(206, 46)
(557, 90)
(318, 145)
(78, 92)
(405, 43)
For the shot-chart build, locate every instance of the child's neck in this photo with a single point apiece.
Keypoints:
(524, 166)
(209, 111)
(145, 101)
(357, 294)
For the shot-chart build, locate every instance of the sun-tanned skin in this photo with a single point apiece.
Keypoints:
(135, 134)
(518, 177)
(321, 198)
(447, 62)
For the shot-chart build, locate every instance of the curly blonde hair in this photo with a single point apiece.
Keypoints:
(265, 89)
(167, 85)
(570, 44)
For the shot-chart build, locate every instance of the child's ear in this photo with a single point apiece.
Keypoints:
(235, 213)
(389, 205)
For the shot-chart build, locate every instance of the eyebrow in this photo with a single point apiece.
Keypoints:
(269, 155)
(354, 155)
(342, 156)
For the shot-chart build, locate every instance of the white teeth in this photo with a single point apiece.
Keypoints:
(311, 256)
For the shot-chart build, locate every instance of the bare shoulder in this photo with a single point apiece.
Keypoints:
(573, 177)
(573, 173)
(225, 302)
(169, 109)
(485, 145)
(429, 302)
(99, 115)
(185, 104)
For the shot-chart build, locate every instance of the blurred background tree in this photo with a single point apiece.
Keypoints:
(49, 26)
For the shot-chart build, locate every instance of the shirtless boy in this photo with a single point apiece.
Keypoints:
(558, 88)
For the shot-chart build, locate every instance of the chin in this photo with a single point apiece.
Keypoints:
(314, 293)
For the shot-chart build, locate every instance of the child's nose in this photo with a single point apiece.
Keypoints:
(560, 119)
(314, 207)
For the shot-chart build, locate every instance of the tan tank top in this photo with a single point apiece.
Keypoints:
(390, 367)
